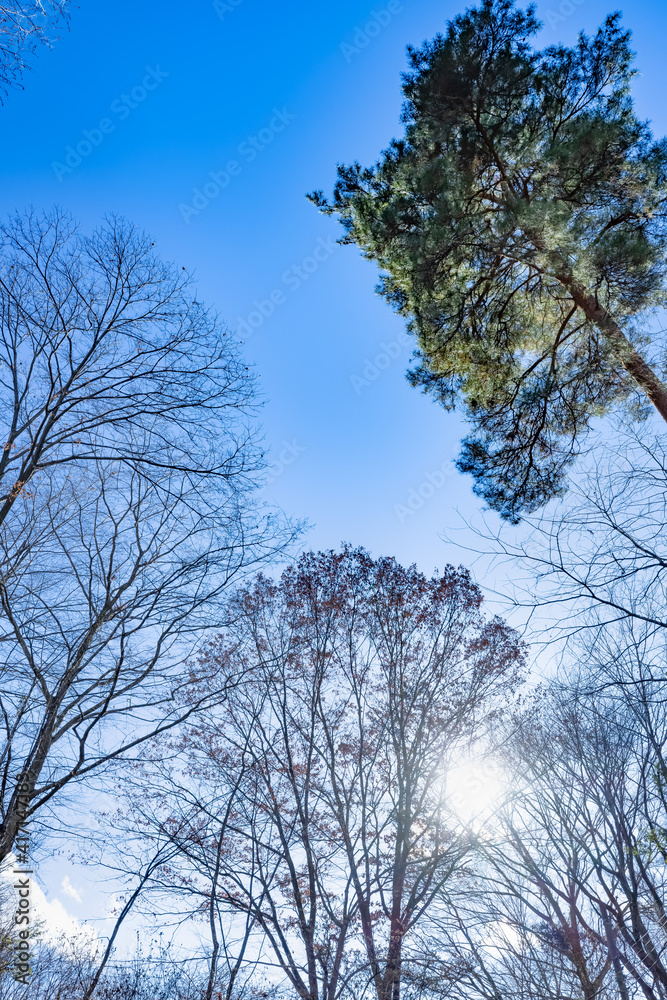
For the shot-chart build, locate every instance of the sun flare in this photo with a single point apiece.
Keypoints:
(475, 789)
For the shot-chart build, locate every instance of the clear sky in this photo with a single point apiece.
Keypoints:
(268, 97)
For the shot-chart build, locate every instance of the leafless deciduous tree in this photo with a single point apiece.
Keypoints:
(65, 971)
(23, 28)
(157, 848)
(577, 872)
(126, 497)
(569, 897)
(597, 796)
(364, 681)
(601, 556)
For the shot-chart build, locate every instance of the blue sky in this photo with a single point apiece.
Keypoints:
(269, 97)
(284, 91)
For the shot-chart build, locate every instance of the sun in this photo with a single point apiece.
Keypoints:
(475, 789)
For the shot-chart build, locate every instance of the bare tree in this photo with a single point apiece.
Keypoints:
(64, 971)
(584, 854)
(364, 681)
(126, 498)
(569, 898)
(166, 847)
(595, 796)
(600, 556)
(498, 936)
(23, 28)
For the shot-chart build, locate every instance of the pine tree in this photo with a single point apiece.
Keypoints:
(520, 227)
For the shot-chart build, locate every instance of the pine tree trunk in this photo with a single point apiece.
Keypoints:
(631, 360)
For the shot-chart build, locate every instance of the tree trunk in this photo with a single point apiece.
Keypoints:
(24, 789)
(614, 956)
(392, 975)
(631, 360)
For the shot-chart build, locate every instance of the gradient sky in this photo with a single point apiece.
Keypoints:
(282, 91)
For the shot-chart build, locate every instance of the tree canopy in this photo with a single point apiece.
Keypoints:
(128, 478)
(519, 226)
(312, 804)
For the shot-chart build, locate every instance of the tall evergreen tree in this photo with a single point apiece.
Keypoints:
(520, 227)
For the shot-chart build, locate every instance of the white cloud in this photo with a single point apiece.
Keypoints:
(56, 924)
(69, 889)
